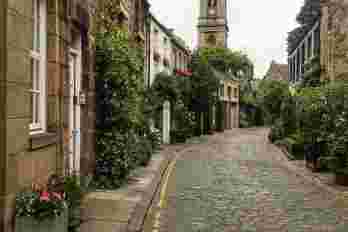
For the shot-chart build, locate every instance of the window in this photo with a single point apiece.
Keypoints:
(38, 68)
(229, 92)
(222, 90)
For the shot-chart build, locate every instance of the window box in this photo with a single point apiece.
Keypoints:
(29, 224)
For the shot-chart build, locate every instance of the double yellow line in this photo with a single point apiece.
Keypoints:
(156, 224)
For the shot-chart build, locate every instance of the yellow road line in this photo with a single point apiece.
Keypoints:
(163, 193)
(165, 184)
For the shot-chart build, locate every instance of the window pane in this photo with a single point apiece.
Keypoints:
(36, 25)
(35, 99)
(35, 74)
(35, 115)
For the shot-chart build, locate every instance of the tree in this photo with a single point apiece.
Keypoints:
(271, 95)
(228, 61)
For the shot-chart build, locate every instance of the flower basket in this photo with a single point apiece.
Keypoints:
(30, 224)
(42, 209)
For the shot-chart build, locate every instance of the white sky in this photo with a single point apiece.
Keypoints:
(258, 27)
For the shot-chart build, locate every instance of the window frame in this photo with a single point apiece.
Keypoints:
(38, 53)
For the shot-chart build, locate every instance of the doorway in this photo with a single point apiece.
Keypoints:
(74, 128)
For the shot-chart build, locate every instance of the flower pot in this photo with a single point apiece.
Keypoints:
(29, 224)
(341, 179)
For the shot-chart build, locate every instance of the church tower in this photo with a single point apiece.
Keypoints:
(212, 23)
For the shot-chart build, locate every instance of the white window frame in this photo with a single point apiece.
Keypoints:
(39, 54)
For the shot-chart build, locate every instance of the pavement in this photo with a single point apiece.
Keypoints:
(124, 209)
(239, 182)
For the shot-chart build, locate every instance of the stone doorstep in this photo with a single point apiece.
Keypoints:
(125, 209)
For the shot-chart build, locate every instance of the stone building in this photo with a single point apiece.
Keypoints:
(334, 39)
(325, 38)
(47, 97)
(181, 55)
(278, 72)
(213, 32)
(212, 23)
(229, 97)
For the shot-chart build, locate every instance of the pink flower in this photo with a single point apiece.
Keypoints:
(57, 195)
(45, 196)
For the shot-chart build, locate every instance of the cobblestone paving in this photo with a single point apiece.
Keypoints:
(237, 182)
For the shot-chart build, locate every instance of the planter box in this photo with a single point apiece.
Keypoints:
(341, 179)
(29, 224)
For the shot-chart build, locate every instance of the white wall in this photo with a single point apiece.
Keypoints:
(163, 48)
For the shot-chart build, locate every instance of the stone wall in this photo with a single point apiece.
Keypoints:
(334, 39)
(24, 158)
(220, 37)
(3, 68)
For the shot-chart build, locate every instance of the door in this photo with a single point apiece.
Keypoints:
(74, 111)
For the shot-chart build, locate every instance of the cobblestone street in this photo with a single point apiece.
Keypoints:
(237, 181)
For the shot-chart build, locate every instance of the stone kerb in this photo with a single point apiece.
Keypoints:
(125, 209)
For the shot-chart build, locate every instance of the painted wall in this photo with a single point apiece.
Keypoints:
(161, 44)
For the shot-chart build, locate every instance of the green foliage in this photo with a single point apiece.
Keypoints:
(204, 84)
(314, 122)
(178, 136)
(119, 69)
(311, 76)
(226, 60)
(271, 95)
(40, 205)
(164, 88)
(307, 17)
(74, 193)
(124, 139)
(277, 131)
(115, 159)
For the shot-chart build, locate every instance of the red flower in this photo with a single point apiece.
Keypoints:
(45, 196)
(183, 73)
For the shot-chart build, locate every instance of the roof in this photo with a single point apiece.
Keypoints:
(179, 42)
(277, 72)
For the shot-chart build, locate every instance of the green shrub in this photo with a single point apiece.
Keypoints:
(298, 145)
(277, 131)
(144, 151)
(115, 159)
(178, 136)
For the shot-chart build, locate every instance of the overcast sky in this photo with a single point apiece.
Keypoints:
(257, 27)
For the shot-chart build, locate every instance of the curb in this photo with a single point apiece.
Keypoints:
(137, 219)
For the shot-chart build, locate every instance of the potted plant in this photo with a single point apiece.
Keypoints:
(41, 210)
